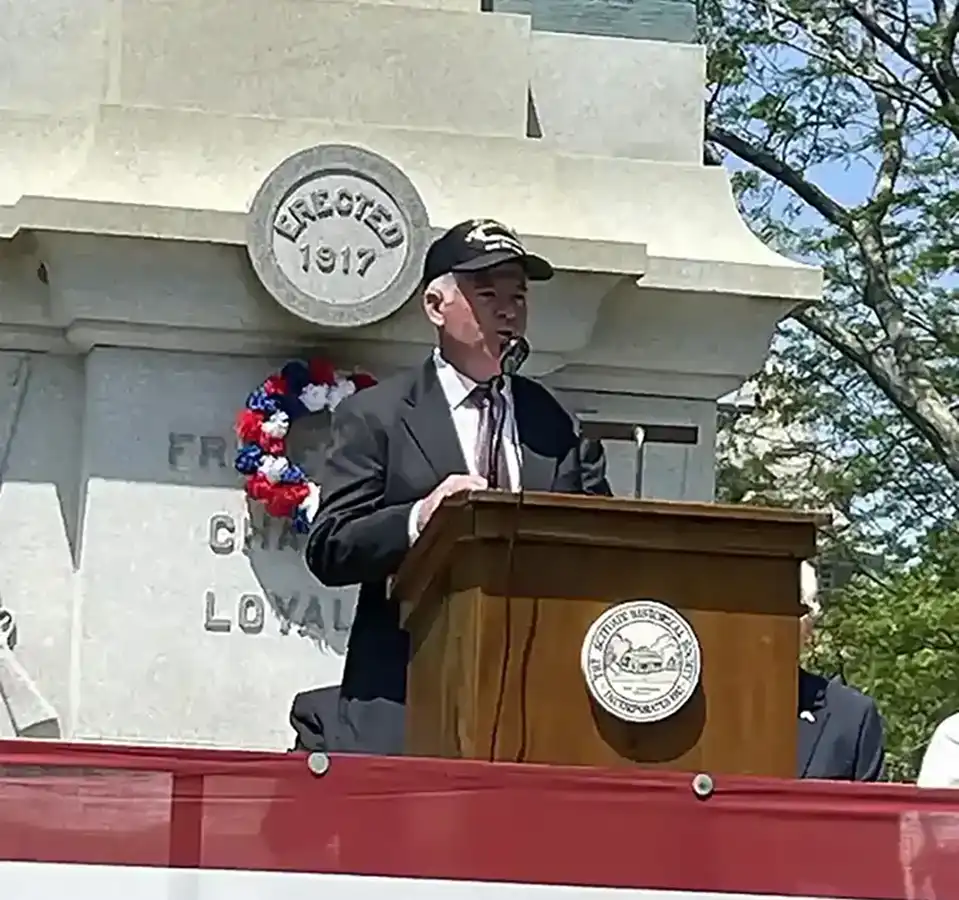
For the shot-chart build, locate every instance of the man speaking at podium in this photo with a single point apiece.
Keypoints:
(462, 421)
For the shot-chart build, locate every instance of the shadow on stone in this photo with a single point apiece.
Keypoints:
(301, 605)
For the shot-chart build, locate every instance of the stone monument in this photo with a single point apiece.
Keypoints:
(184, 207)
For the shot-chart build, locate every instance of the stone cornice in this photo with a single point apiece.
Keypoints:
(186, 175)
(131, 234)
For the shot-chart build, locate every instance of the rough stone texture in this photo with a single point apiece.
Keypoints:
(352, 60)
(41, 417)
(138, 655)
(619, 97)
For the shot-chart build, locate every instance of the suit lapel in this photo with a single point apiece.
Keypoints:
(813, 715)
(537, 471)
(429, 422)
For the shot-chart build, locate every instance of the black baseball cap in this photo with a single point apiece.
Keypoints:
(479, 244)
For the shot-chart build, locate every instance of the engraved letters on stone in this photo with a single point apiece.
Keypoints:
(324, 616)
(337, 234)
(283, 604)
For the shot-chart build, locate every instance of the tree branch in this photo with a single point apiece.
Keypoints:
(920, 404)
(947, 54)
(766, 162)
(892, 152)
(899, 47)
(873, 72)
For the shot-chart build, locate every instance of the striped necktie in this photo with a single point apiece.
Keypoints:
(489, 399)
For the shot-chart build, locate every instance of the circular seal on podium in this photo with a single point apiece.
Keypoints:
(641, 660)
(337, 234)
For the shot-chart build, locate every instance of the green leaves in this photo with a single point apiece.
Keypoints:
(843, 127)
(897, 637)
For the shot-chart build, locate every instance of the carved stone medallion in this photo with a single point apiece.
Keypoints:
(337, 235)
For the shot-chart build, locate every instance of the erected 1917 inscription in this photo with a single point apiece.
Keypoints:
(337, 234)
(341, 237)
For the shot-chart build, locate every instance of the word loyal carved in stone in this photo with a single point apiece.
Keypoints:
(325, 616)
(313, 616)
(337, 234)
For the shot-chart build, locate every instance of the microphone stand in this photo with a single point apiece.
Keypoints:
(639, 437)
(514, 354)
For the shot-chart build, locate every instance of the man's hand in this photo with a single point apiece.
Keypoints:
(454, 484)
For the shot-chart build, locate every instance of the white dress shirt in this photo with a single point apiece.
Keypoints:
(940, 765)
(466, 420)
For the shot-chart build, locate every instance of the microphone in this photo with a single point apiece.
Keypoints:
(514, 353)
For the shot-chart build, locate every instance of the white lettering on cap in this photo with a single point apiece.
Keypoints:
(494, 237)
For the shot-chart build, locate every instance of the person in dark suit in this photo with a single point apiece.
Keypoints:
(840, 730)
(398, 449)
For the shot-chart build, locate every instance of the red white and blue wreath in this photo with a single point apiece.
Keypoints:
(262, 426)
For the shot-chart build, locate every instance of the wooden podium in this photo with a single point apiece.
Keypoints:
(500, 590)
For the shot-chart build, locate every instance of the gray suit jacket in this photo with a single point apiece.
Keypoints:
(840, 732)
